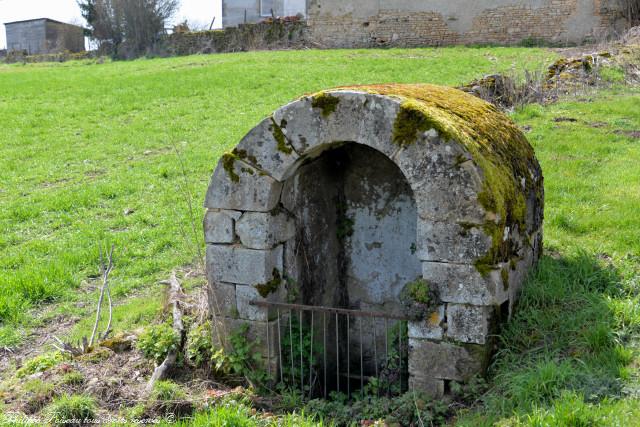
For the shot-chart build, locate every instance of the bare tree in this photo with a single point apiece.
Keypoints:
(127, 28)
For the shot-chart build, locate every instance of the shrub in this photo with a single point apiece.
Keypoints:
(157, 341)
(68, 409)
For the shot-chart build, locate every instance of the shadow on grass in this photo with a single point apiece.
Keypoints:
(566, 336)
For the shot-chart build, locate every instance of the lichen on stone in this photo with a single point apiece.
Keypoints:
(228, 161)
(325, 102)
(283, 146)
(264, 289)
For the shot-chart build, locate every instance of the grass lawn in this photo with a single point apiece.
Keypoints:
(82, 143)
(112, 152)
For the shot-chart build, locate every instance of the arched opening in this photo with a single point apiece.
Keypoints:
(354, 248)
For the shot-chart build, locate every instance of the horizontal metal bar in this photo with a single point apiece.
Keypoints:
(360, 313)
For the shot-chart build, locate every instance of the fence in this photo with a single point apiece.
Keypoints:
(317, 347)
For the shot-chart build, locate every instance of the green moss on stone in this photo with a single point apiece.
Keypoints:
(281, 139)
(271, 286)
(494, 143)
(242, 154)
(325, 102)
(418, 291)
(504, 274)
(228, 161)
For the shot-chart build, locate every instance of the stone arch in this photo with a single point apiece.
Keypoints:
(478, 196)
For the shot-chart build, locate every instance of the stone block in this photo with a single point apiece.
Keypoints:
(246, 293)
(235, 264)
(218, 227)
(430, 361)
(448, 166)
(468, 323)
(430, 328)
(266, 148)
(259, 230)
(238, 186)
(450, 242)
(359, 117)
(431, 387)
(222, 299)
(463, 284)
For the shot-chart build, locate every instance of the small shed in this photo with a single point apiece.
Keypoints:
(43, 35)
(387, 229)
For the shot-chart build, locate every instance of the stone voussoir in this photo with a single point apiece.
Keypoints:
(267, 148)
(237, 185)
(340, 115)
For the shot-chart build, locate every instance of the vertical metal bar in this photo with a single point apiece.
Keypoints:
(301, 368)
(311, 357)
(400, 355)
(386, 349)
(293, 379)
(280, 348)
(324, 340)
(337, 357)
(375, 349)
(348, 359)
(361, 365)
(268, 345)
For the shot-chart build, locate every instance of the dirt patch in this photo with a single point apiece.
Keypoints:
(564, 119)
(634, 134)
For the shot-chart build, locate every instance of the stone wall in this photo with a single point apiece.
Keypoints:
(278, 34)
(358, 23)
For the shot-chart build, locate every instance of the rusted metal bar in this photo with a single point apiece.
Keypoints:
(268, 345)
(301, 368)
(293, 380)
(280, 348)
(337, 357)
(324, 340)
(361, 358)
(355, 313)
(311, 359)
(375, 350)
(386, 350)
(348, 360)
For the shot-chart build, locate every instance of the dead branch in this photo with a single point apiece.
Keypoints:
(175, 293)
(104, 271)
(66, 347)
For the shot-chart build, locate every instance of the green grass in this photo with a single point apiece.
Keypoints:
(83, 142)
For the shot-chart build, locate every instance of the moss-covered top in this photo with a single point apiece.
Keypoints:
(495, 143)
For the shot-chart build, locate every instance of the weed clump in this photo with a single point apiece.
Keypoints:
(40, 363)
(71, 409)
(157, 341)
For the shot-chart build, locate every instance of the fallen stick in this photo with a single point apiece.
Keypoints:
(175, 292)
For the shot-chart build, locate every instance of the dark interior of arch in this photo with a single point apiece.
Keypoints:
(355, 248)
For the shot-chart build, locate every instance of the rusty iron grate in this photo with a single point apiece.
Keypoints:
(312, 341)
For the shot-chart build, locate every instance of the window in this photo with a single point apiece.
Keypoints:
(267, 6)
